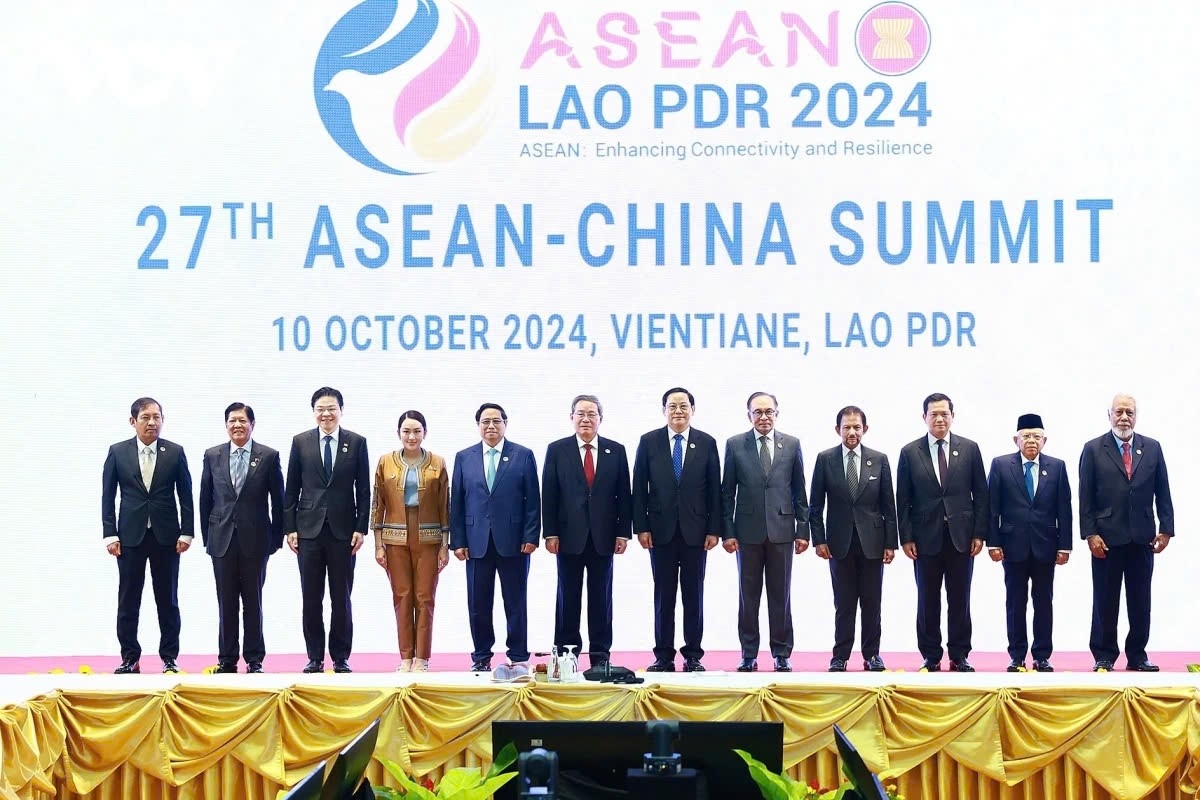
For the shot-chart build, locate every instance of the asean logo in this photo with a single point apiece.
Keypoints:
(892, 38)
(401, 87)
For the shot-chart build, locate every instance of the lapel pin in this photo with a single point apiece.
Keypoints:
(1045, 473)
(346, 449)
(1139, 452)
(607, 450)
(954, 452)
(504, 459)
(254, 463)
(162, 449)
(692, 446)
(779, 446)
(868, 462)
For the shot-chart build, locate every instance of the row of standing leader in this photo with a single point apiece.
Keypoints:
(939, 526)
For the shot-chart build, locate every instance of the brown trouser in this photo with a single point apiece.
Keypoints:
(413, 571)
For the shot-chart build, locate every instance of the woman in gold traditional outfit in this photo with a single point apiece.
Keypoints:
(410, 514)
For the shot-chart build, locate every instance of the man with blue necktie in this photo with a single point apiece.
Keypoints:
(677, 517)
(495, 524)
(1122, 479)
(1030, 532)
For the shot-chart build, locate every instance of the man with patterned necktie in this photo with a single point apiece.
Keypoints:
(1030, 532)
(495, 524)
(942, 512)
(1122, 479)
(326, 513)
(241, 520)
(149, 472)
(677, 517)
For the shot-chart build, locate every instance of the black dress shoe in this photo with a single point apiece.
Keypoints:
(481, 665)
(254, 667)
(1144, 666)
(1015, 666)
(837, 665)
(341, 665)
(874, 664)
(962, 665)
(1106, 666)
(782, 664)
(169, 666)
(129, 666)
(692, 665)
(748, 665)
(314, 666)
(1043, 665)
(225, 667)
(929, 665)
(661, 666)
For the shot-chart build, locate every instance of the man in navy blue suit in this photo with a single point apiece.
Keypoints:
(1122, 478)
(1030, 533)
(495, 522)
(586, 519)
(149, 472)
(677, 517)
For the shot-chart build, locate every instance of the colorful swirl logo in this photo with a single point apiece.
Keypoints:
(401, 87)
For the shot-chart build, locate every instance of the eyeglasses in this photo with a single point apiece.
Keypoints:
(586, 415)
(679, 407)
(1032, 437)
(759, 413)
(491, 422)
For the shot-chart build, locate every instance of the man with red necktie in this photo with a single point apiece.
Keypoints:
(1122, 478)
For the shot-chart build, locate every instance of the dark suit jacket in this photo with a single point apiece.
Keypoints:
(872, 510)
(662, 506)
(571, 511)
(1121, 510)
(510, 514)
(140, 504)
(922, 506)
(344, 501)
(757, 508)
(1026, 528)
(256, 513)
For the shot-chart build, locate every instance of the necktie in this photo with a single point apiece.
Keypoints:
(328, 457)
(677, 456)
(589, 465)
(491, 468)
(764, 454)
(852, 473)
(147, 465)
(1029, 465)
(1125, 457)
(239, 469)
(943, 467)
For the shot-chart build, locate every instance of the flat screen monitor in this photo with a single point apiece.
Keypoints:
(593, 756)
(866, 783)
(347, 771)
(309, 787)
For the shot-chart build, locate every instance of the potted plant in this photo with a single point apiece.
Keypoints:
(781, 786)
(461, 783)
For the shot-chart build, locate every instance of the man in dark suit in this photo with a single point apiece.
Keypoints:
(1122, 478)
(495, 522)
(942, 506)
(586, 519)
(677, 517)
(241, 520)
(859, 536)
(149, 472)
(326, 513)
(765, 513)
(1030, 532)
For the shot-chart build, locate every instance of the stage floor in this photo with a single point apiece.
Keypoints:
(18, 688)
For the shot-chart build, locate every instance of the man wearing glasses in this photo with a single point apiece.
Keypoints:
(765, 512)
(677, 517)
(586, 519)
(495, 522)
(326, 513)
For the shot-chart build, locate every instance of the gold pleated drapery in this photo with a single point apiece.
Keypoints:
(207, 742)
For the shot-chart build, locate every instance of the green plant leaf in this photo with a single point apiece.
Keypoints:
(772, 786)
(483, 791)
(459, 778)
(412, 789)
(1193, 667)
(503, 760)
